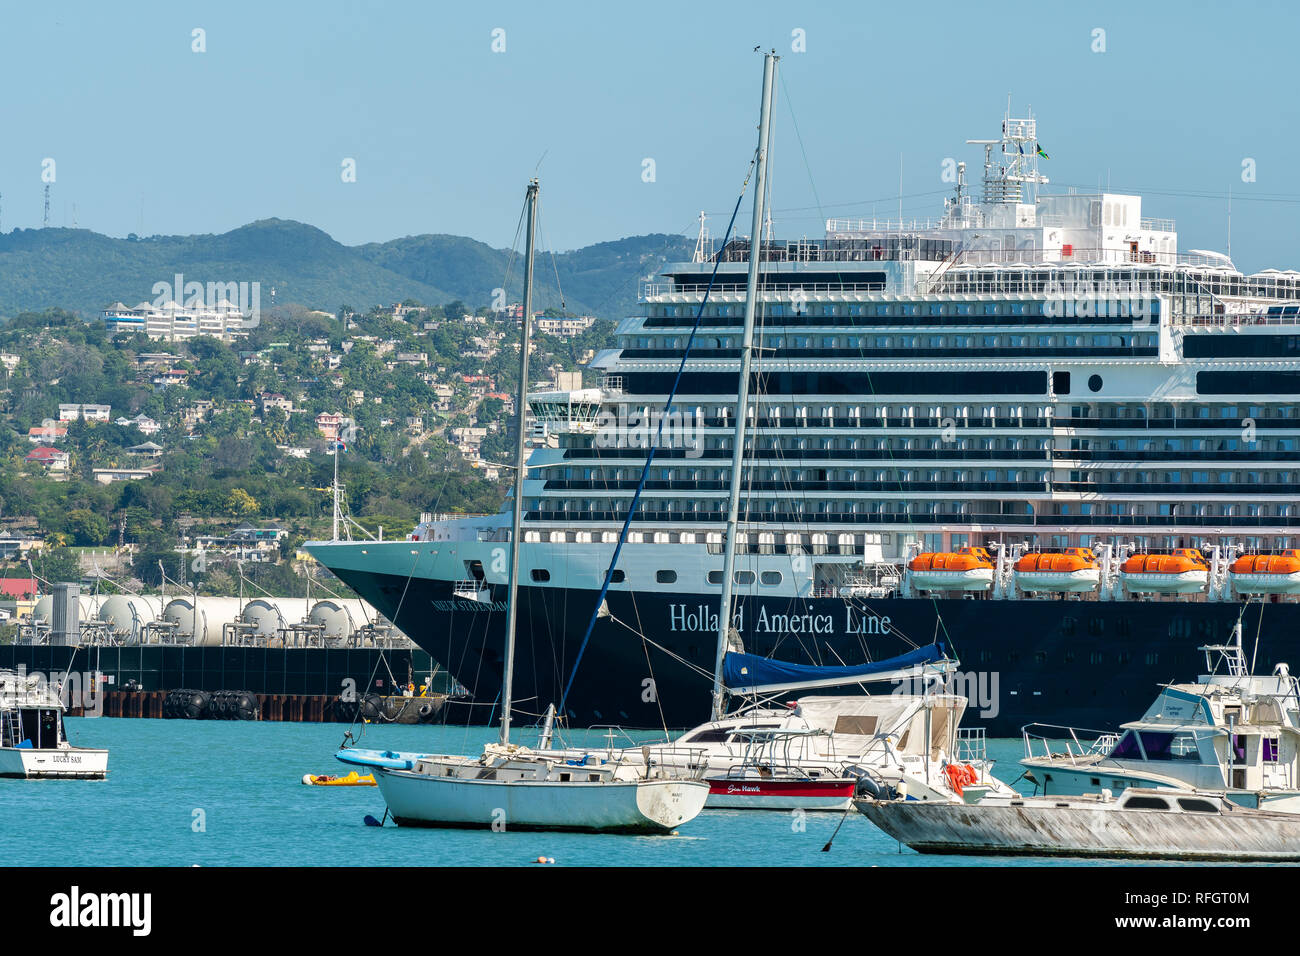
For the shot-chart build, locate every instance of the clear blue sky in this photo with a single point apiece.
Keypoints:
(151, 137)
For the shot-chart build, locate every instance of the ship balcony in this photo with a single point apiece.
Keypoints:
(1243, 457)
(914, 518)
(804, 486)
(1180, 490)
(1273, 315)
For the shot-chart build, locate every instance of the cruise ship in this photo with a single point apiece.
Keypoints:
(1032, 429)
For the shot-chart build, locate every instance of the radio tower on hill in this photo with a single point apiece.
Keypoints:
(46, 223)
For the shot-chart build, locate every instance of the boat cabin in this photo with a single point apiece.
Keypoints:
(31, 714)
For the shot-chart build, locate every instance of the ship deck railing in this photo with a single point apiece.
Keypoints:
(1088, 257)
(1056, 741)
(443, 517)
(1289, 316)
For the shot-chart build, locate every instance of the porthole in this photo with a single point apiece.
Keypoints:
(1094, 383)
(666, 577)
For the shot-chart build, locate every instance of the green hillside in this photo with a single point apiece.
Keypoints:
(83, 271)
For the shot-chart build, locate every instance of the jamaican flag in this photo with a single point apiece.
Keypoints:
(1042, 152)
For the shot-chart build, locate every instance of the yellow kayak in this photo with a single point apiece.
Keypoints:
(352, 779)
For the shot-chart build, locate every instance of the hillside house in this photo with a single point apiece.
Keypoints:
(52, 460)
(90, 413)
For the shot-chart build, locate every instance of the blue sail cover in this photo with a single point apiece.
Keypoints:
(749, 673)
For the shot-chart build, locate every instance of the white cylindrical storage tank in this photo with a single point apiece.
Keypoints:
(336, 618)
(265, 616)
(127, 614)
(44, 610)
(342, 616)
(202, 625)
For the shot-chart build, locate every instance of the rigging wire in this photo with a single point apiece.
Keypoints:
(650, 455)
(803, 152)
(541, 234)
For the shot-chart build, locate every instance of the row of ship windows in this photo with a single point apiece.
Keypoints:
(824, 443)
(669, 576)
(772, 414)
(550, 508)
(762, 542)
(1121, 306)
(1181, 510)
(1167, 542)
(1195, 477)
(1199, 412)
(900, 341)
(1143, 282)
(793, 476)
(788, 475)
(1183, 444)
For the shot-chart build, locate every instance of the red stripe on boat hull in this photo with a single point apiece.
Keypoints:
(782, 788)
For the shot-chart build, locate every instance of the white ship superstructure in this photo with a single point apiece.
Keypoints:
(1030, 370)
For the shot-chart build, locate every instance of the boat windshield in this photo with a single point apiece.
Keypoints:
(1156, 745)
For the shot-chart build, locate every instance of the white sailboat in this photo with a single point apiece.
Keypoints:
(512, 787)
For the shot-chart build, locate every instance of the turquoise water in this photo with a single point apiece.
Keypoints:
(213, 793)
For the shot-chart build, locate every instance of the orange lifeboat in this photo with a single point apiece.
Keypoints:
(966, 569)
(1267, 573)
(1070, 569)
(1181, 571)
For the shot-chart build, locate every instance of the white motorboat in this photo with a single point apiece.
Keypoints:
(1230, 731)
(33, 741)
(1139, 824)
(888, 742)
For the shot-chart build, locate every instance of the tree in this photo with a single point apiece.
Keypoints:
(87, 527)
(242, 503)
(233, 454)
(56, 564)
(145, 564)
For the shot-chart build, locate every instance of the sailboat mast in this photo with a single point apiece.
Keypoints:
(521, 413)
(742, 390)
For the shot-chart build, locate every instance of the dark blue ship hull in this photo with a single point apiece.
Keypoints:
(649, 663)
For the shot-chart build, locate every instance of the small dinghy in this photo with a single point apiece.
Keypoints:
(352, 779)
(1139, 824)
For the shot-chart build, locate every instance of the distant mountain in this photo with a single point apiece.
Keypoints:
(84, 271)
